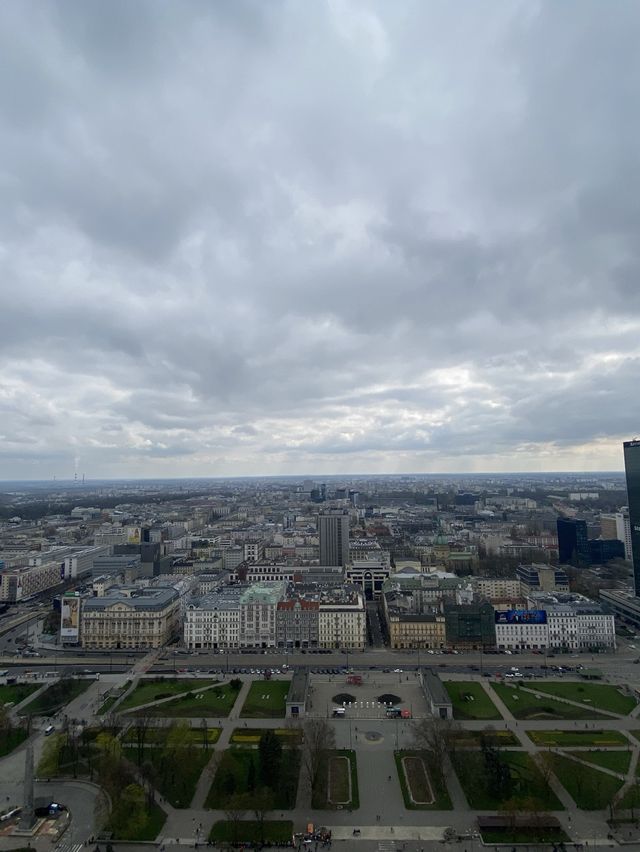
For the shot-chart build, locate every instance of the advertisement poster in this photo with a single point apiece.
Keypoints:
(70, 619)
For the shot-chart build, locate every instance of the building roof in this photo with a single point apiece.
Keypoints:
(298, 687)
(264, 593)
(150, 598)
(434, 687)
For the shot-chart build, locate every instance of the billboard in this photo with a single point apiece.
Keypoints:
(70, 619)
(522, 616)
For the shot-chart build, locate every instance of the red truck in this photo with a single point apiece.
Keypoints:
(354, 680)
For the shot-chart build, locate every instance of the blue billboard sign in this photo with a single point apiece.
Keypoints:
(522, 616)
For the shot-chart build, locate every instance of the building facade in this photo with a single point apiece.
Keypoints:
(632, 471)
(343, 623)
(416, 630)
(573, 542)
(297, 623)
(130, 617)
(214, 622)
(258, 607)
(20, 583)
(333, 533)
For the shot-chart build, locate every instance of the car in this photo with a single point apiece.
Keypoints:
(397, 671)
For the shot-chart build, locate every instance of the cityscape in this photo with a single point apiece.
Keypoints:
(249, 660)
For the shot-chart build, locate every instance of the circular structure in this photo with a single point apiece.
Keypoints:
(373, 736)
(343, 698)
(389, 698)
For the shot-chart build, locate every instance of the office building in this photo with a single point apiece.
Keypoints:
(603, 550)
(333, 532)
(470, 626)
(632, 470)
(542, 578)
(130, 617)
(617, 526)
(573, 542)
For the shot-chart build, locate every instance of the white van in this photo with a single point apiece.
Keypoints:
(339, 713)
(49, 730)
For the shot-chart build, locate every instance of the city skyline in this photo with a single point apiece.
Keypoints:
(416, 254)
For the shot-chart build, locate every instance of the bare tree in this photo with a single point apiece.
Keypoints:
(437, 736)
(262, 801)
(141, 727)
(235, 808)
(319, 738)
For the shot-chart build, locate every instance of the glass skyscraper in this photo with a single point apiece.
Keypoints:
(632, 470)
(573, 542)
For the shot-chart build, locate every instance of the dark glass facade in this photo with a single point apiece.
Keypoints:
(632, 470)
(573, 542)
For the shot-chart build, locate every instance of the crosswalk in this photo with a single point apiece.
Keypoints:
(387, 846)
(68, 846)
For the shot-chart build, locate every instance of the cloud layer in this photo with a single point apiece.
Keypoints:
(261, 237)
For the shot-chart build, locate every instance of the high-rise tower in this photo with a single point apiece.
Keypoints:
(333, 530)
(573, 542)
(632, 470)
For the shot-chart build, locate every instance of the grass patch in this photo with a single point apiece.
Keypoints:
(114, 695)
(11, 738)
(525, 835)
(16, 693)
(590, 789)
(442, 800)
(158, 736)
(569, 739)
(158, 688)
(526, 781)
(273, 831)
(251, 736)
(320, 798)
(618, 761)
(600, 695)
(266, 700)
(473, 739)
(56, 696)
(470, 701)
(175, 774)
(233, 777)
(526, 705)
(149, 830)
(217, 701)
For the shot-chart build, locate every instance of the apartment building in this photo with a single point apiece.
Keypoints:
(19, 583)
(258, 606)
(416, 630)
(342, 620)
(214, 622)
(496, 588)
(297, 623)
(130, 617)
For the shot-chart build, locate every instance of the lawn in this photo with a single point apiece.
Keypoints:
(114, 695)
(473, 739)
(158, 736)
(216, 701)
(266, 700)
(14, 694)
(155, 820)
(571, 739)
(158, 688)
(470, 701)
(527, 705)
(11, 738)
(339, 791)
(590, 789)
(233, 773)
(251, 736)
(442, 801)
(55, 697)
(600, 695)
(333, 782)
(277, 832)
(618, 761)
(175, 774)
(526, 781)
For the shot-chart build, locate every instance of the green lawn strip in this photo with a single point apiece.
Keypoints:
(11, 738)
(233, 773)
(277, 832)
(442, 801)
(522, 835)
(599, 695)
(568, 739)
(617, 761)
(635, 735)
(158, 736)
(590, 789)
(15, 693)
(526, 781)
(55, 697)
(473, 739)
(320, 798)
(470, 701)
(266, 700)
(114, 695)
(107, 705)
(153, 690)
(174, 774)
(216, 701)
(155, 820)
(526, 705)
(251, 736)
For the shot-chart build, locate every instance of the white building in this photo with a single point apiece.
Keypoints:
(258, 606)
(496, 588)
(520, 636)
(343, 623)
(214, 622)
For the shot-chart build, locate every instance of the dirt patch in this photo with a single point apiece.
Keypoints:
(343, 698)
(339, 792)
(418, 782)
(389, 698)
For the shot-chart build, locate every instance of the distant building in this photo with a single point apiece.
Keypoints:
(632, 470)
(333, 532)
(573, 542)
(602, 550)
(542, 578)
(618, 526)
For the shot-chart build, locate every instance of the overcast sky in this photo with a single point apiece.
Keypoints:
(318, 237)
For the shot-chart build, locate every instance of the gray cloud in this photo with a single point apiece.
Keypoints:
(254, 238)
